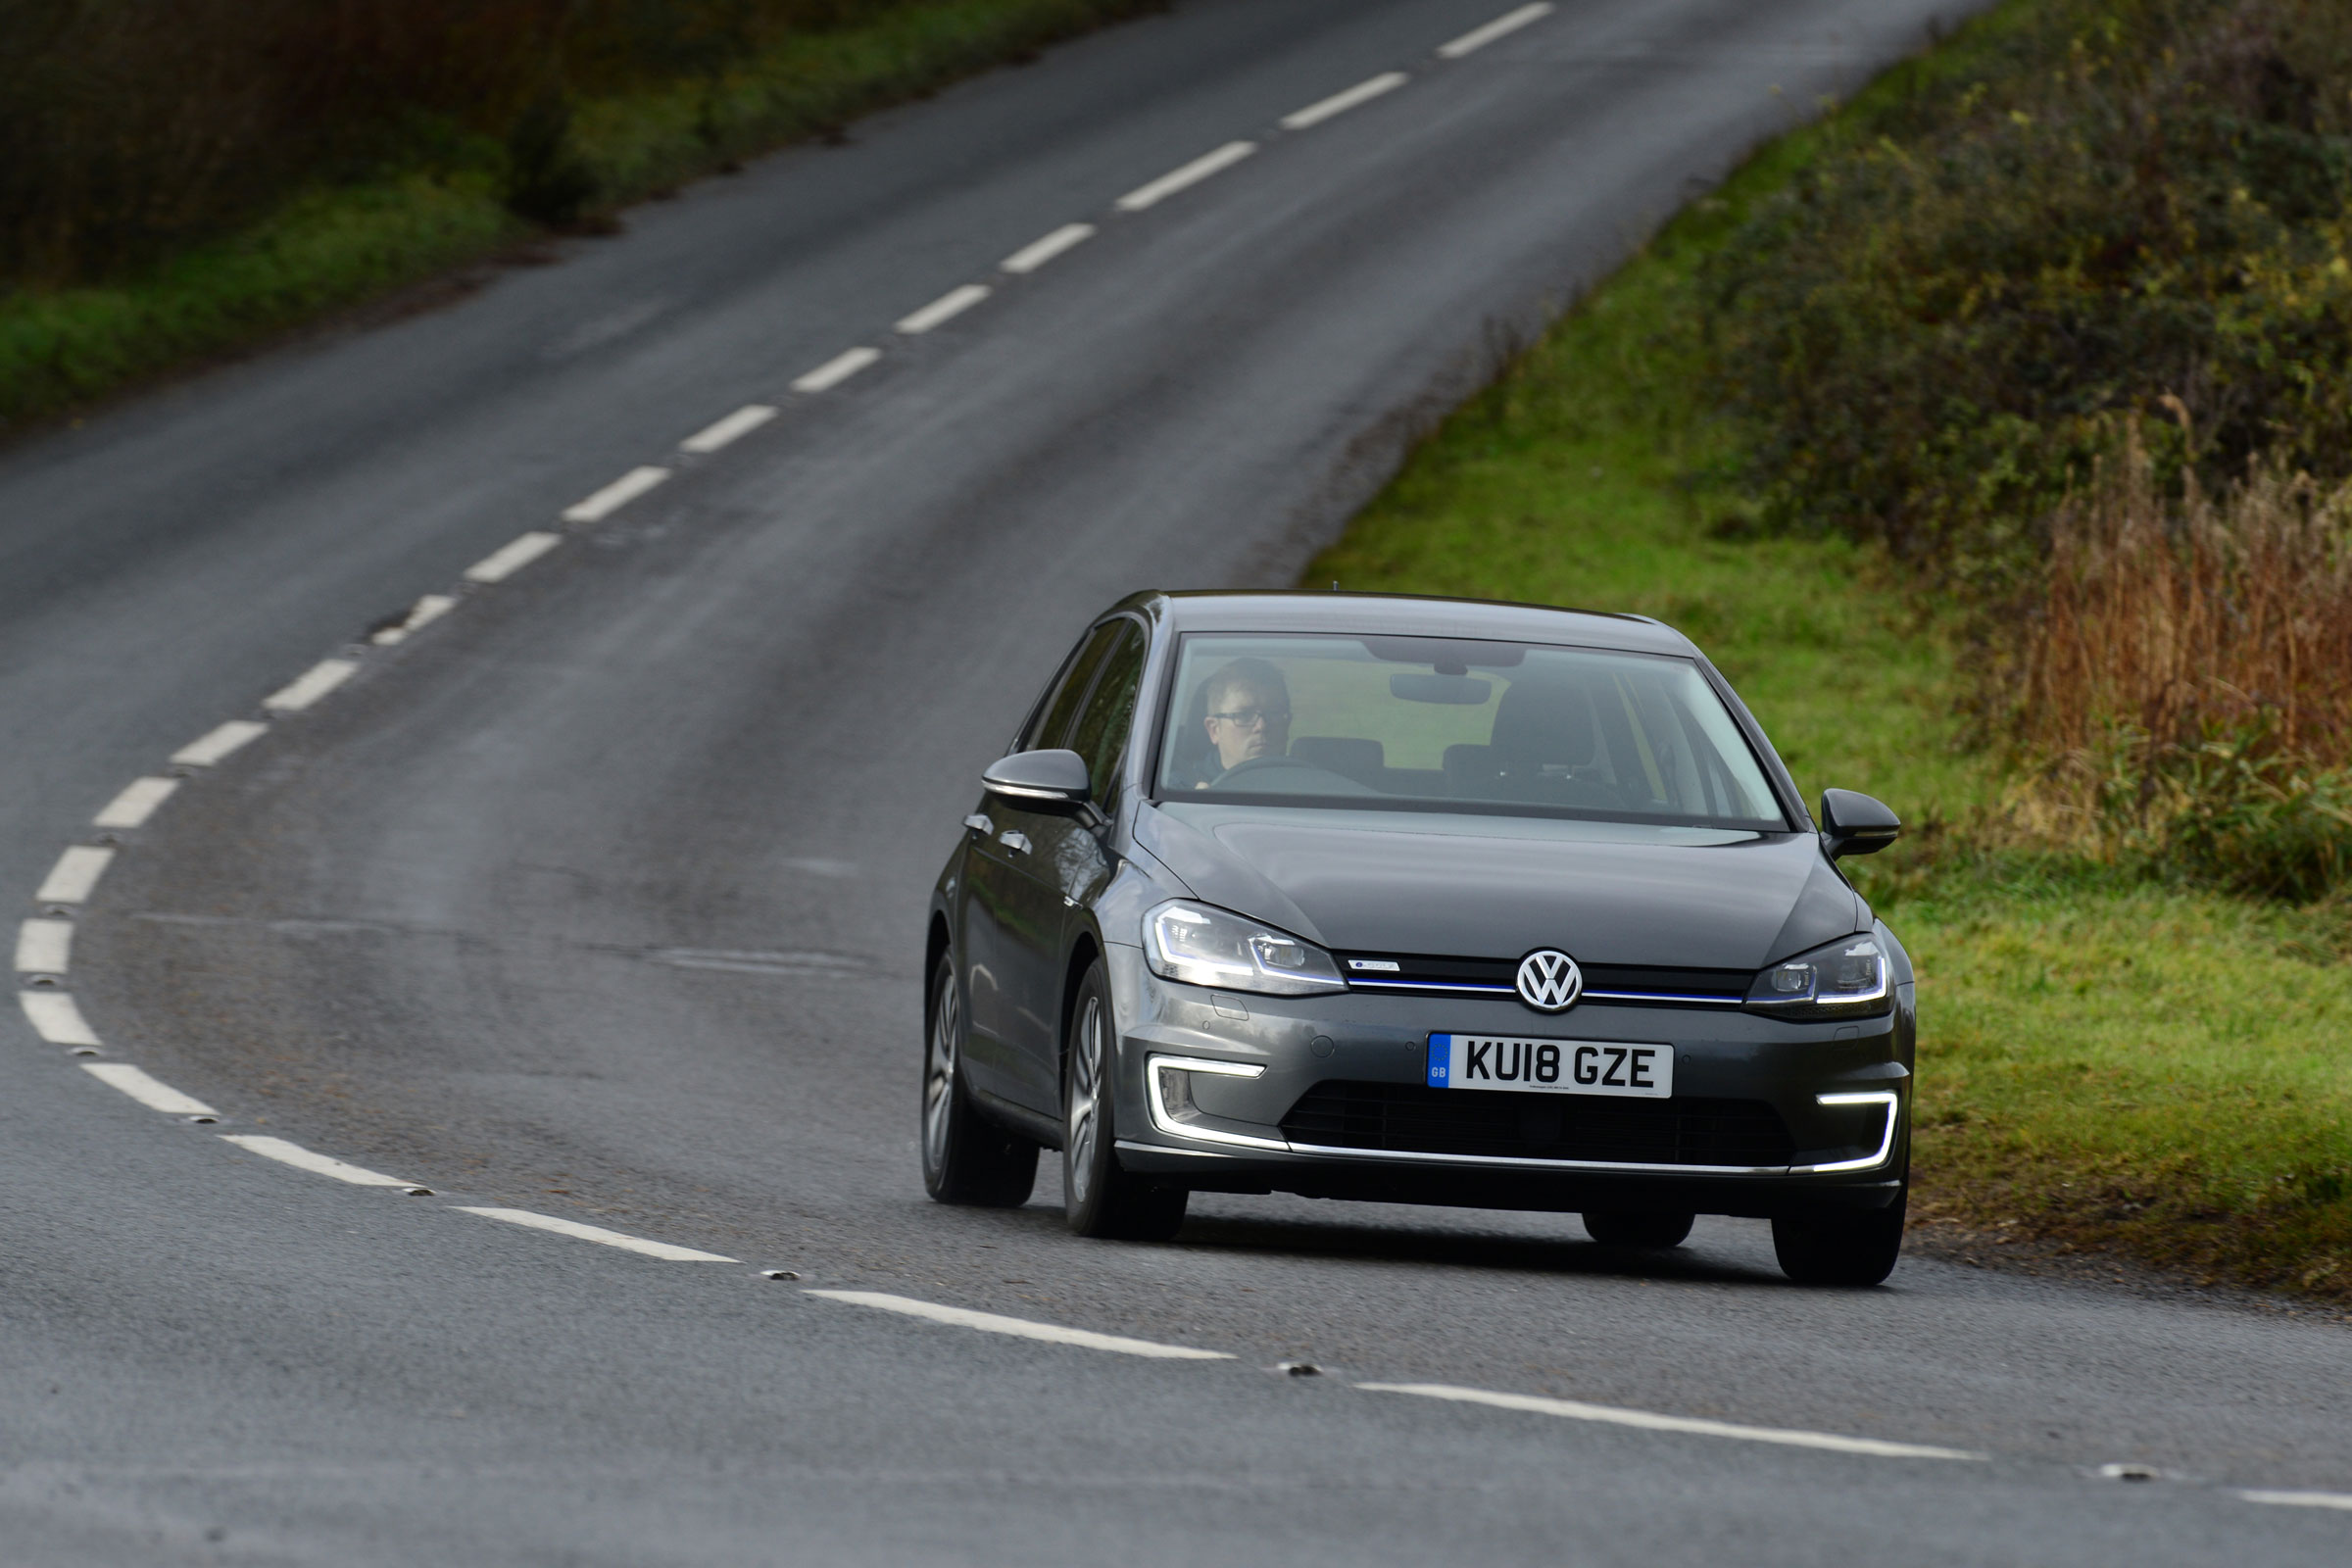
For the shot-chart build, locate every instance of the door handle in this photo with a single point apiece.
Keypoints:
(979, 824)
(1014, 839)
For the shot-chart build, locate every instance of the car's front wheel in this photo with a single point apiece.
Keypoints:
(1839, 1246)
(1098, 1196)
(966, 1157)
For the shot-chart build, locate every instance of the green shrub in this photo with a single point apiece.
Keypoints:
(2132, 205)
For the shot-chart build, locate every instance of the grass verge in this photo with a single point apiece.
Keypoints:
(337, 246)
(2104, 1062)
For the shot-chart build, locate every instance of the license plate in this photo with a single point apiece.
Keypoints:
(1550, 1066)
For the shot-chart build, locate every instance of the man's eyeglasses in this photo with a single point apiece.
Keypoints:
(1251, 717)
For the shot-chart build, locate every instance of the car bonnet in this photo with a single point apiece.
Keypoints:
(1499, 886)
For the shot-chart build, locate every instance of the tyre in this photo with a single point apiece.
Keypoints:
(1648, 1228)
(1097, 1197)
(966, 1157)
(1855, 1248)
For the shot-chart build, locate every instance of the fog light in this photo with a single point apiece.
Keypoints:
(1169, 1086)
(1176, 1093)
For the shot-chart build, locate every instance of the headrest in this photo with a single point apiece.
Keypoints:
(1542, 723)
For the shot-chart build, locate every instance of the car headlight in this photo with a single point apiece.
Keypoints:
(1205, 947)
(1848, 978)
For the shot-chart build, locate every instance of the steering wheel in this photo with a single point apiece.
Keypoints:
(1258, 765)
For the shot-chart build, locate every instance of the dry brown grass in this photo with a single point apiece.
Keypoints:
(2183, 618)
(2182, 686)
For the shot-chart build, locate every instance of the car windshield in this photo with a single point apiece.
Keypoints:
(1423, 723)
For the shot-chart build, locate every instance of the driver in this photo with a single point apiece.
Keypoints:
(1249, 713)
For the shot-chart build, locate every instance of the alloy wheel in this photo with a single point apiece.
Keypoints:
(939, 1074)
(1086, 1086)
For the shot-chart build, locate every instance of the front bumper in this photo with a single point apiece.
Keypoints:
(1207, 1080)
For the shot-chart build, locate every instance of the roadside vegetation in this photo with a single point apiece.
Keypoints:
(1993, 435)
(184, 177)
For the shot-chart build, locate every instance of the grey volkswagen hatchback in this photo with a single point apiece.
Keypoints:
(1420, 901)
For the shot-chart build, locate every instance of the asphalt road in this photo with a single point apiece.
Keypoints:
(600, 898)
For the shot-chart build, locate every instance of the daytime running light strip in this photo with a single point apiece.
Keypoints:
(1168, 1124)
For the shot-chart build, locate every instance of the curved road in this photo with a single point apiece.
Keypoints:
(596, 900)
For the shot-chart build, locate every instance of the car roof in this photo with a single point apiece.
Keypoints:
(1408, 615)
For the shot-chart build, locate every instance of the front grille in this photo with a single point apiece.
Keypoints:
(1424, 976)
(1414, 1118)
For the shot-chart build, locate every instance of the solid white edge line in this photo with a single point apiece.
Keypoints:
(148, 1092)
(1022, 1327)
(311, 685)
(954, 303)
(137, 804)
(724, 432)
(301, 1158)
(1509, 22)
(45, 946)
(2301, 1500)
(57, 1018)
(216, 743)
(429, 608)
(1611, 1416)
(1037, 253)
(1192, 174)
(617, 495)
(75, 876)
(1339, 103)
(837, 369)
(593, 1233)
(513, 556)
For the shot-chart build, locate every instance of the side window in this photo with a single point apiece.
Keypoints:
(1101, 734)
(1052, 720)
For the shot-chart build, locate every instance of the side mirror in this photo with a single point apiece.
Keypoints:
(1855, 824)
(1042, 781)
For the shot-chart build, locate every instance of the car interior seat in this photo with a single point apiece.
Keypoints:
(1352, 757)
(1544, 749)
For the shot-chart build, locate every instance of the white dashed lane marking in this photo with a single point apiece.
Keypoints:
(617, 495)
(301, 1158)
(311, 685)
(1339, 103)
(216, 743)
(148, 1092)
(57, 1018)
(1610, 1415)
(1022, 1327)
(75, 873)
(837, 369)
(2302, 1500)
(429, 608)
(742, 422)
(595, 1233)
(513, 556)
(137, 804)
(954, 303)
(1508, 23)
(45, 946)
(1037, 253)
(1191, 175)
